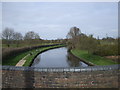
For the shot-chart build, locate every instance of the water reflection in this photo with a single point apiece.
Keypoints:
(57, 58)
(74, 62)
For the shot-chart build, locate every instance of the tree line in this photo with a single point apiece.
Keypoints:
(75, 40)
(105, 46)
(9, 36)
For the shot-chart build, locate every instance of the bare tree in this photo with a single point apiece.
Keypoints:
(74, 32)
(73, 36)
(30, 36)
(17, 37)
(7, 35)
(36, 36)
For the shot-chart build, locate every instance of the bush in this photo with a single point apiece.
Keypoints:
(107, 50)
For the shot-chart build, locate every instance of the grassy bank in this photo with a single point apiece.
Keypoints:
(97, 60)
(13, 60)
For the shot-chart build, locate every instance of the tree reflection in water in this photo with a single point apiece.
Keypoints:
(57, 58)
(74, 62)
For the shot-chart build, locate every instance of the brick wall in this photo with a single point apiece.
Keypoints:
(89, 77)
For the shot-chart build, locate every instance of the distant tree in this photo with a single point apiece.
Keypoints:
(31, 37)
(73, 36)
(8, 35)
(98, 40)
(74, 32)
(92, 44)
(17, 37)
(79, 40)
(37, 36)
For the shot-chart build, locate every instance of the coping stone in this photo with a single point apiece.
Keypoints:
(67, 69)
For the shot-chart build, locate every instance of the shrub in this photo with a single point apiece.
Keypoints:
(107, 49)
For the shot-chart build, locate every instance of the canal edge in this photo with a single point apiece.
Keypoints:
(81, 59)
(42, 52)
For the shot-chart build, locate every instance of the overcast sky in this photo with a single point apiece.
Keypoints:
(53, 20)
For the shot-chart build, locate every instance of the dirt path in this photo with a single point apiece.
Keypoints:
(22, 61)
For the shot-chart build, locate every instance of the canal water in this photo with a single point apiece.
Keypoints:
(58, 57)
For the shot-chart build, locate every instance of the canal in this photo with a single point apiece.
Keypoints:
(58, 57)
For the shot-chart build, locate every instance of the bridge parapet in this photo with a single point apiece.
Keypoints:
(82, 77)
(65, 69)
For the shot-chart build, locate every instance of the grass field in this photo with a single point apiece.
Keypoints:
(13, 60)
(97, 60)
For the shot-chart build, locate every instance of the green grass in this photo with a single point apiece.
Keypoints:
(13, 60)
(97, 60)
